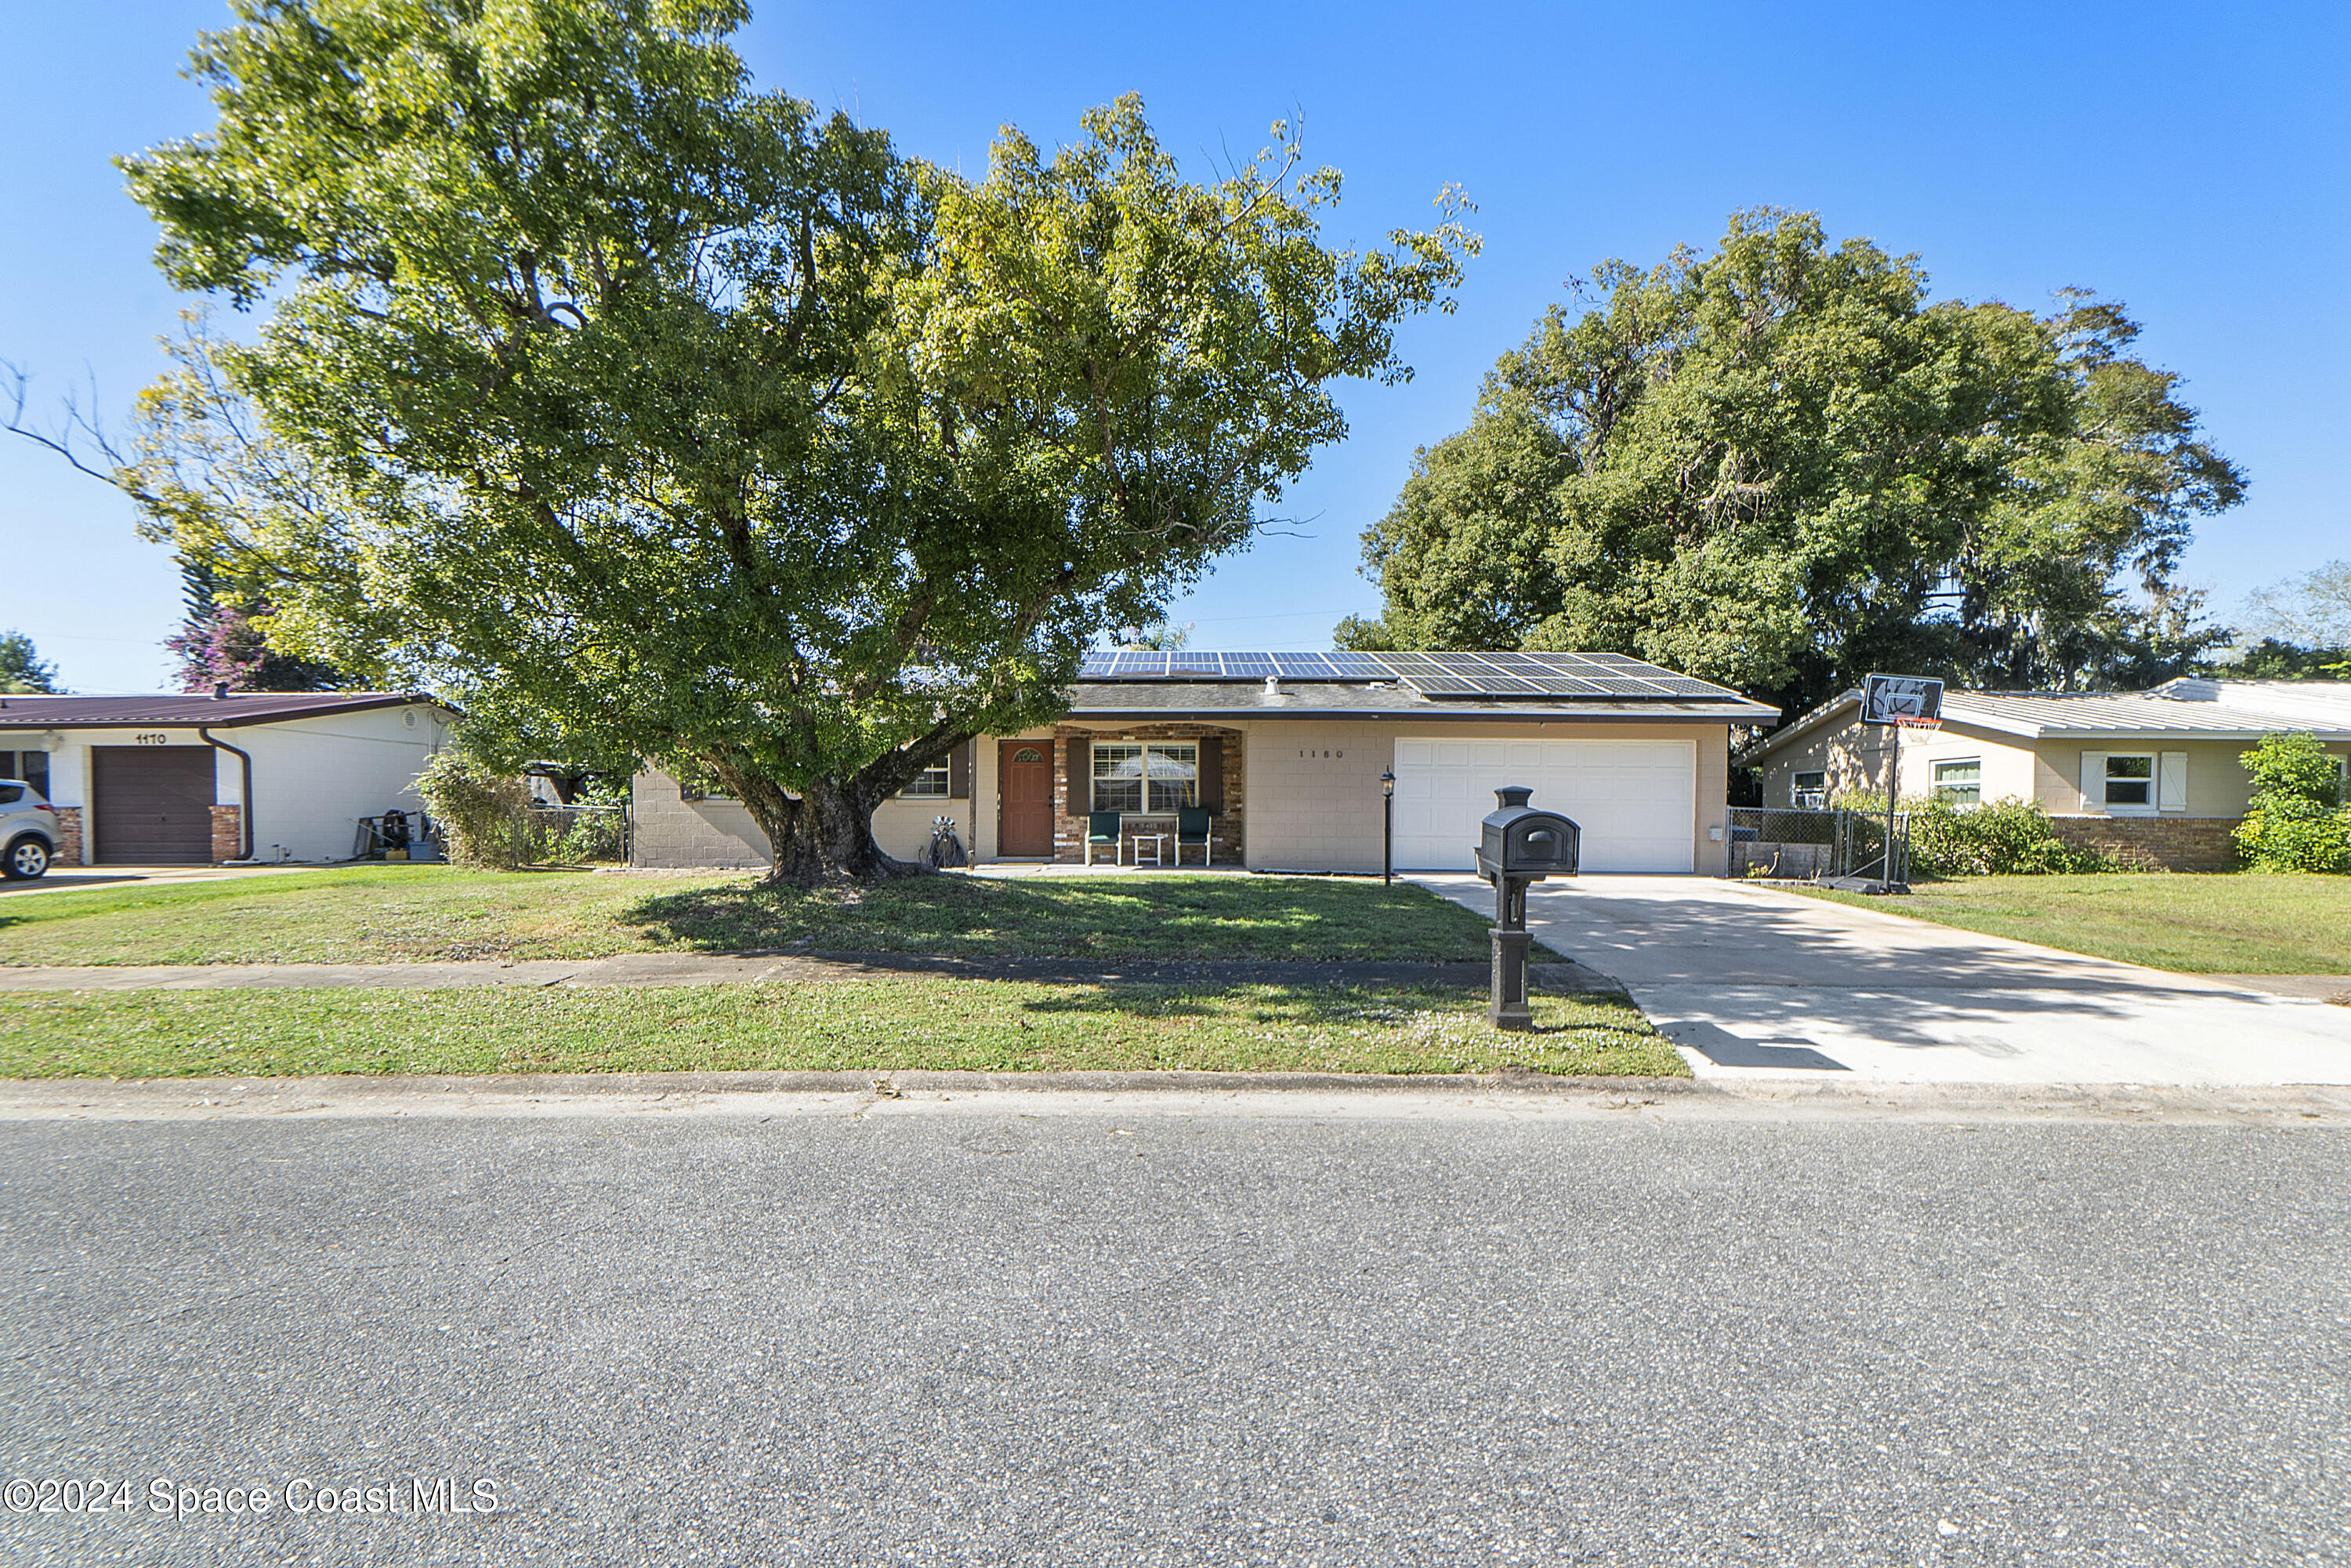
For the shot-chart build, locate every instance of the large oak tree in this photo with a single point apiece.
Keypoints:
(620, 399)
(1781, 466)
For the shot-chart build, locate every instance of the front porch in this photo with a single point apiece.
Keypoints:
(1145, 776)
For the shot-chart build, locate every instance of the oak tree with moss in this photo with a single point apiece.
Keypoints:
(614, 396)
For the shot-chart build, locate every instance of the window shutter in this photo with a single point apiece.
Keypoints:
(960, 771)
(1212, 772)
(1081, 797)
(2171, 782)
(2093, 780)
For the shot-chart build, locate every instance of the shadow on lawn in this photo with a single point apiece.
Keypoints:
(1320, 1006)
(1139, 917)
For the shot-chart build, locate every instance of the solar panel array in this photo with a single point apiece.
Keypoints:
(1596, 676)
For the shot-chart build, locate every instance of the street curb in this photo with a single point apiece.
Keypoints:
(15, 1092)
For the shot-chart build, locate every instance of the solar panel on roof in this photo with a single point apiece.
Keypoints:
(1249, 666)
(1097, 664)
(1359, 666)
(1136, 664)
(1302, 666)
(1196, 665)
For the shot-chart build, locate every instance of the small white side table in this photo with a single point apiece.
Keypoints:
(1158, 843)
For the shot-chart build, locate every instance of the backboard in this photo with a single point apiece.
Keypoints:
(1901, 699)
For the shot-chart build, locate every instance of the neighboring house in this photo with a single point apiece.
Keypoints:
(1285, 751)
(2151, 777)
(167, 781)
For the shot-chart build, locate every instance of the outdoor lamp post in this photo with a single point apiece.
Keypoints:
(1387, 826)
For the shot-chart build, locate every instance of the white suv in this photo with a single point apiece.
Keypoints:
(28, 831)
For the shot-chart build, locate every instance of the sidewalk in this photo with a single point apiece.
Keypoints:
(79, 878)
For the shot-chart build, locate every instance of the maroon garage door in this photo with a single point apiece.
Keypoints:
(153, 804)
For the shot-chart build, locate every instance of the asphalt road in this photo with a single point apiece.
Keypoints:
(991, 1337)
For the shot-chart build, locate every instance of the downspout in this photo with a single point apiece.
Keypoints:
(245, 802)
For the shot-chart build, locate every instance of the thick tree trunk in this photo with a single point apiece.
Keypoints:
(823, 835)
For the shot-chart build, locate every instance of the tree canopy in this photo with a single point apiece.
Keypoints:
(621, 400)
(1781, 466)
(22, 669)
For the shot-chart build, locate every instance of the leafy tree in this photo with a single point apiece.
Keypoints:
(22, 669)
(1160, 637)
(2271, 660)
(2296, 821)
(2310, 610)
(1779, 465)
(225, 641)
(618, 399)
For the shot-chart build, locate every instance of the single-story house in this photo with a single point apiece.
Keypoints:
(2151, 777)
(1285, 752)
(187, 780)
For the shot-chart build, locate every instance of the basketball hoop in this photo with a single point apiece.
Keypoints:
(1915, 722)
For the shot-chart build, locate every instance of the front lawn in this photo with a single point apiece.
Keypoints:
(2241, 923)
(892, 1024)
(393, 914)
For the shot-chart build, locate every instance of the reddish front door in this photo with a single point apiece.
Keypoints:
(1025, 816)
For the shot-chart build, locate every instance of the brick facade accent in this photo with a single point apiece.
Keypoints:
(227, 826)
(69, 835)
(2156, 843)
(1226, 830)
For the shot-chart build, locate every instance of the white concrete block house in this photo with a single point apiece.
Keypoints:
(1285, 751)
(184, 780)
(2151, 777)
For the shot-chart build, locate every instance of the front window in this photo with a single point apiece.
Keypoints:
(2130, 779)
(1137, 776)
(1810, 792)
(1959, 782)
(930, 784)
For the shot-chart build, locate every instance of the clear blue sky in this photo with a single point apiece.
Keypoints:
(2187, 159)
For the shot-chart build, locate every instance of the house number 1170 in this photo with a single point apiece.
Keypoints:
(153, 740)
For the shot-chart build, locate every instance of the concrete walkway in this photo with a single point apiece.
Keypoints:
(1754, 983)
(78, 878)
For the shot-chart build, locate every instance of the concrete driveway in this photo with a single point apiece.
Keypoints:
(1755, 983)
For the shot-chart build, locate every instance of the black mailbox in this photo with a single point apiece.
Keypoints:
(1519, 841)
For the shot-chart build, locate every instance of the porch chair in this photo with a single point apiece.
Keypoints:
(1102, 827)
(1192, 824)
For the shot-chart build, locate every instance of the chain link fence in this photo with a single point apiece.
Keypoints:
(1811, 846)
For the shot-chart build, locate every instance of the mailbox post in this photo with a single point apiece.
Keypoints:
(1516, 845)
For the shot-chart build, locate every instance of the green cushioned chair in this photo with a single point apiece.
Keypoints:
(1192, 825)
(1102, 827)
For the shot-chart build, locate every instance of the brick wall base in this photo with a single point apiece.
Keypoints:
(69, 835)
(2156, 843)
(1225, 837)
(228, 825)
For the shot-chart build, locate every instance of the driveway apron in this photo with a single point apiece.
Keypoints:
(1751, 982)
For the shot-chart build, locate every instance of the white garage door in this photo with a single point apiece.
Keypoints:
(1635, 799)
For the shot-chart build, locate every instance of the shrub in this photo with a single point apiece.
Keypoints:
(483, 816)
(2296, 821)
(2000, 838)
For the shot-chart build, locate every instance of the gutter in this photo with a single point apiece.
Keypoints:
(245, 802)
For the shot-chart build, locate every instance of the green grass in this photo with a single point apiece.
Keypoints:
(867, 1025)
(388, 914)
(2244, 924)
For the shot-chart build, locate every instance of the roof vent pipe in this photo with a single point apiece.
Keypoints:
(220, 691)
(1273, 685)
